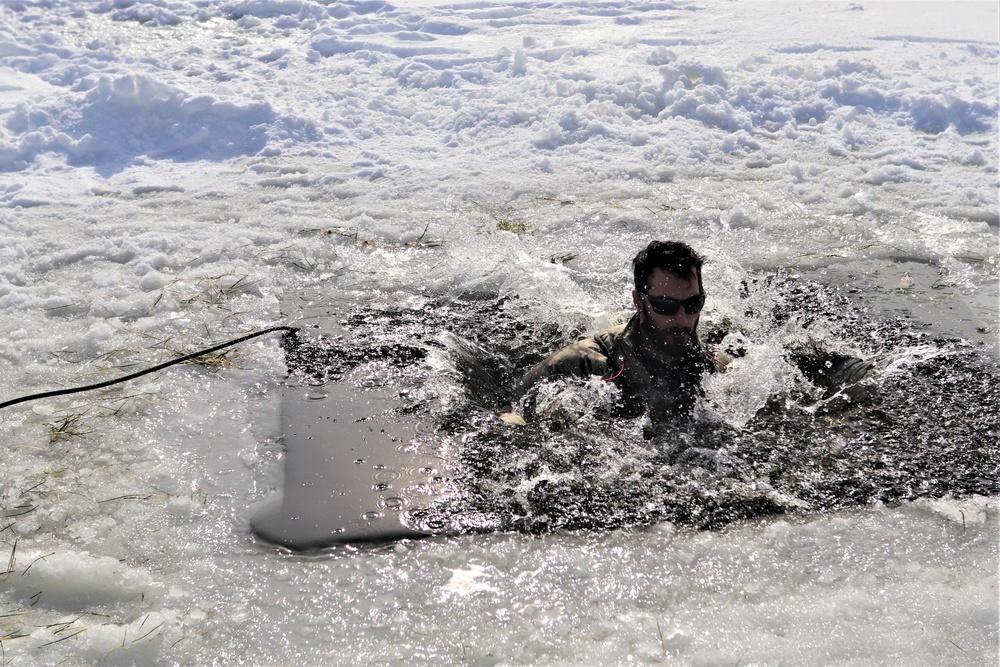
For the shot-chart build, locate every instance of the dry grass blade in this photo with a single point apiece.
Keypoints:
(506, 220)
(20, 510)
(331, 231)
(66, 427)
(11, 562)
(32, 565)
(129, 496)
(421, 243)
(62, 639)
(135, 641)
(218, 289)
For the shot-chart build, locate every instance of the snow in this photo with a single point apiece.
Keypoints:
(173, 169)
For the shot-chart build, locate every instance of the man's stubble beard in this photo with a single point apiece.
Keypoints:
(671, 342)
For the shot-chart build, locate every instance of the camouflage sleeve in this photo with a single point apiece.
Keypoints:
(582, 358)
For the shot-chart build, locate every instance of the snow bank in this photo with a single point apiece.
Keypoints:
(71, 581)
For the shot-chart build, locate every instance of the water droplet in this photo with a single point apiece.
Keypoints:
(316, 395)
(436, 523)
(371, 515)
(386, 476)
(379, 487)
(359, 461)
(393, 503)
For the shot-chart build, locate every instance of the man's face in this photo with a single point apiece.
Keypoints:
(669, 332)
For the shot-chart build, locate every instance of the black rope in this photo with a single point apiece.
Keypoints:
(166, 364)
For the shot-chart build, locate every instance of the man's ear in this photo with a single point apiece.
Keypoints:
(637, 302)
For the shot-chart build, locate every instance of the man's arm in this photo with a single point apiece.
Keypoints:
(582, 358)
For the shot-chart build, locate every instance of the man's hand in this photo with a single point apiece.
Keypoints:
(512, 418)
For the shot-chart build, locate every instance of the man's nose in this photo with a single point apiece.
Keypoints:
(684, 318)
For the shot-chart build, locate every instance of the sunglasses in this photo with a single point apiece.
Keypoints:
(664, 305)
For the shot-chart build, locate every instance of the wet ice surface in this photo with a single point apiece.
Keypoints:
(885, 581)
(175, 173)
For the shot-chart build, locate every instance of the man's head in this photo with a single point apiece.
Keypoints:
(676, 257)
(668, 293)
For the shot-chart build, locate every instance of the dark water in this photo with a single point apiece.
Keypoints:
(924, 428)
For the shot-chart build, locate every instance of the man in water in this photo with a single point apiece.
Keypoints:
(655, 359)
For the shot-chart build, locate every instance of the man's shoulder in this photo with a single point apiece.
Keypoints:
(608, 339)
(587, 356)
(569, 358)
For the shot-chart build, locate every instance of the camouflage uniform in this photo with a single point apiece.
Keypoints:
(666, 389)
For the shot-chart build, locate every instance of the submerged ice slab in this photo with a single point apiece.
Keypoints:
(351, 473)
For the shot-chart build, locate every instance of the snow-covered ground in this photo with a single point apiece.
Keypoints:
(171, 171)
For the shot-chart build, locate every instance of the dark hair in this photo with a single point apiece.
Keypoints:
(674, 256)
